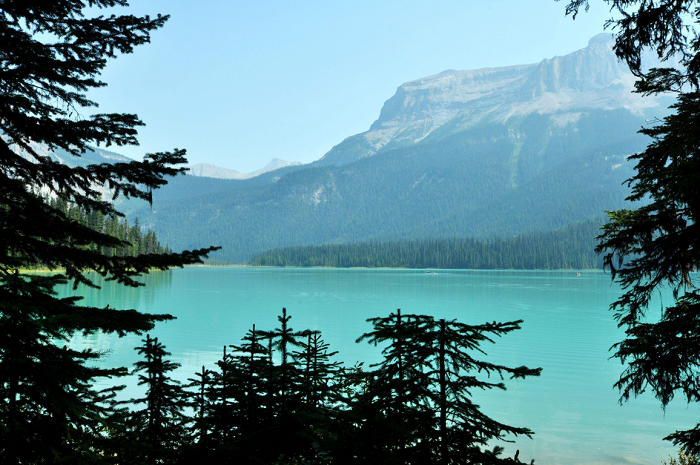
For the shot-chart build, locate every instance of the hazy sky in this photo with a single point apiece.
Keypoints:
(239, 83)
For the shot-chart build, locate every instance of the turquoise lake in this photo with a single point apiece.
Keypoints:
(567, 330)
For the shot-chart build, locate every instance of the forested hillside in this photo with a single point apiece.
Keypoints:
(569, 248)
(493, 152)
(528, 175)
(111, 224)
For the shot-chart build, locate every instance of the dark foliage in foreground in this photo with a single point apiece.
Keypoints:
(658, 244)
(279, 397)
(51, 54)
(661, 356)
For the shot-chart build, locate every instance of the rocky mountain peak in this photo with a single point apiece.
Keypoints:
(591, 69)
(589, 78)
(604, 38)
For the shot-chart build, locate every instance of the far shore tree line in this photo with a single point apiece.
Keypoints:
(569, 248)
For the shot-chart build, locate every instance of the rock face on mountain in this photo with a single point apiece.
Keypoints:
(453, 101)
(213, 171)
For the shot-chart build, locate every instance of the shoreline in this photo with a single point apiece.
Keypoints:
(238, 265)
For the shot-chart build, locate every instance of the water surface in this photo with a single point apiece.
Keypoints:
(567, 331)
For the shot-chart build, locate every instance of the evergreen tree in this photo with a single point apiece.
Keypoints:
(283, 339)
(51, 54)
(658, 244)
(253, 369)
(260, 411)
(422, 391)
(223, 395)
(202, 403)
(323, 390)
(666, 27)
(49, 410)
(396, 395)
(284, 382)
(318, 372)
(160, 427)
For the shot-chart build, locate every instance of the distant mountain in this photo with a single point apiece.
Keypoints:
(90, 157)
(212, 171)
(494, 152)
(93, 156)
(454, 101)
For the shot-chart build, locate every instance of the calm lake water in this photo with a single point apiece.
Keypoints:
(572, 408)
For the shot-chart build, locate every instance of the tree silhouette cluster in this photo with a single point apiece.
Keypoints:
(279, 397)
(51, 54)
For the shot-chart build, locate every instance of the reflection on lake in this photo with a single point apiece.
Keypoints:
(568, 330)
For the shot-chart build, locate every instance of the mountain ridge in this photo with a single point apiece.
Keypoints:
(212, 171)
(483, 153)
(589, 78)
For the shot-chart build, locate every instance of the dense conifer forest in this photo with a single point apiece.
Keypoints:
(112, 225)
(569, 248)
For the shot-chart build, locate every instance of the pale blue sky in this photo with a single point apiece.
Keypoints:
(239, 83)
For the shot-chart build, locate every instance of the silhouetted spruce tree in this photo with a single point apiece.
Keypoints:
(318, 372)
(658, 243)
(51, 55)
(201, 446)
(201, 392)
(395, 396)
(258, 409)
(654, 246)
(284, 339)
(49, 408)
(241, 415)
(422, 390)
(284, 382)
(223, 403)
(322, 391)
(254, 413)
(160, 429)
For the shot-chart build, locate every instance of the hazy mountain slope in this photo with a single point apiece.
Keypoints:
(90, 157)
(212, 171)
(274, 165)
(494, 152)
(531, 174)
